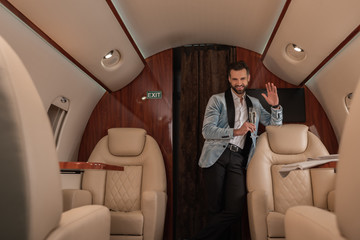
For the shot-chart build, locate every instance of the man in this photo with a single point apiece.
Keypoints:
(229, 145)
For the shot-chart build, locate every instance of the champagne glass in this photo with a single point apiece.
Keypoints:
(252, 117)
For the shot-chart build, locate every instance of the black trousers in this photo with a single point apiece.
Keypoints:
(226, 195)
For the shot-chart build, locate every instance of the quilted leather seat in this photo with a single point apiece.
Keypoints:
(136, 196)
(269, 193)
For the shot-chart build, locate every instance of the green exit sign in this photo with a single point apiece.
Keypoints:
(154, 94)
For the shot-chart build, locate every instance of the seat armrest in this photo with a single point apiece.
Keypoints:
(87, 222)
(323, 182)
(73, 198)
(153, 207)
(331, 201)
(310, 223)
(258, 211)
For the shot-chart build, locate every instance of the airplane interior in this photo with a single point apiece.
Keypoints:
(103, 104)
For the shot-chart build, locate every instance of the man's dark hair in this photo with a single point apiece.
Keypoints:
(238, 66)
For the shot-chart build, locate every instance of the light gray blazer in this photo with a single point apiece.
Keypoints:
(217, 132)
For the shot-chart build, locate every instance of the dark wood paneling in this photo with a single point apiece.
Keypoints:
(125, 108)
(319, 123)
(316, 117)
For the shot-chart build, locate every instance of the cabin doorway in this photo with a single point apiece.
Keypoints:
(199, 72)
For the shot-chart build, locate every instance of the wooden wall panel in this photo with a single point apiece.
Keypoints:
(316, 117)
(125, 108)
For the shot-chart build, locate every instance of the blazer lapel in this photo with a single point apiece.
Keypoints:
(248, 140)
(230, 107)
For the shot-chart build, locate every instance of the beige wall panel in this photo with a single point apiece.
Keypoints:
(87, 30)
(335, 80)
(53, 76)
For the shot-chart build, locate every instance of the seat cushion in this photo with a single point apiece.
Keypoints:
(127, 223)
(90, 222)
(311, 223)
(293, 190)
(123, 189)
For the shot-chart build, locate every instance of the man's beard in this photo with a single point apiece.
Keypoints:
(239, 91)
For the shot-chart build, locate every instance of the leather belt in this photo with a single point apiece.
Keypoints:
(234, 148)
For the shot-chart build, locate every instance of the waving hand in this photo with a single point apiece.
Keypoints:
(271, 97)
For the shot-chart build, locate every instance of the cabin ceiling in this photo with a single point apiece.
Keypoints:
(85, 30)
(157, 25)
(318, 27)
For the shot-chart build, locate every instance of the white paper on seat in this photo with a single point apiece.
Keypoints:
(311, 162)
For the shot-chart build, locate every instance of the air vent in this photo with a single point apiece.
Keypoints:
(348, 99)
(57, 113)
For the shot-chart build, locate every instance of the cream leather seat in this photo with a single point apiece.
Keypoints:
(136, 196)
(312, 223)
(269, 193)
(31, 200)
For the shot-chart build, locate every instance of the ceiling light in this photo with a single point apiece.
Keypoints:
(294, 52)
(111, 59)
(109, 55)
(297, 49)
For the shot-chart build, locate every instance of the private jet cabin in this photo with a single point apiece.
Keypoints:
(102, 68)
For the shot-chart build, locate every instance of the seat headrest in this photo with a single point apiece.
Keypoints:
(126, 141)
(288, 138)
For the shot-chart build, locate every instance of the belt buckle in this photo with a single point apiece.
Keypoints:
(234, 148)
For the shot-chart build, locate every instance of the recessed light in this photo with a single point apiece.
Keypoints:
(294, 52)
(109, 54)
(297, 48)
(111, 59)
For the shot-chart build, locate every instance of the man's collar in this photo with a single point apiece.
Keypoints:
(235, 96)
